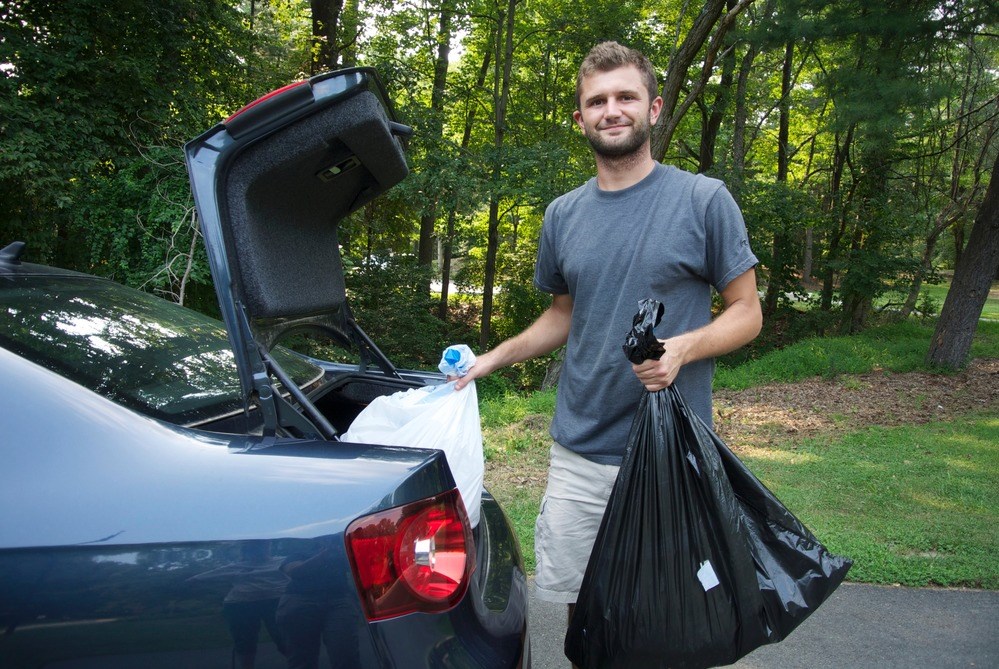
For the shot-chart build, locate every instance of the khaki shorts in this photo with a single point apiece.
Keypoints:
(571, 510)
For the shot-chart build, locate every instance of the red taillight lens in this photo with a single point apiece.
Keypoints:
(416, 557)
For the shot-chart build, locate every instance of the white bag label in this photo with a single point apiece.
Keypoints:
(706, 575)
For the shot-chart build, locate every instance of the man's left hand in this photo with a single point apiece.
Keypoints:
(658, 374)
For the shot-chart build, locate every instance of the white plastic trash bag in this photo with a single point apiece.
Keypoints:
(430, 417)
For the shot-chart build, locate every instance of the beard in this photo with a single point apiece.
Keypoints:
(621, 147)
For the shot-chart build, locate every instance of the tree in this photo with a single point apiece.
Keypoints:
(970, 288)
(501, 99)
(436, 127)
(710, 18)
(326, 29)
(861, 132)
(87, 88)
(452, 214)
(957, 143)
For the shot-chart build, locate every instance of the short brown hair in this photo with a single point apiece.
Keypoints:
(610, 55)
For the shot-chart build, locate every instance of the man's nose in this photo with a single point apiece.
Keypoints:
(611, 108)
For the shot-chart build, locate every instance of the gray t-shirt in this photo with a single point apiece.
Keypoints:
(670, 237)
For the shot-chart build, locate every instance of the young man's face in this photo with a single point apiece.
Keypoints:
(615, 113)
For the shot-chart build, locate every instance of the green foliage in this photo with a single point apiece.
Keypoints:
(498, 411)
(521, 508)
(897, 347)
(776, 218)
(928, 305)
(518, 305)
(139, 227)
(391, 304)
(889, 130)
(789, 324)
(87, 82)
(986, 341)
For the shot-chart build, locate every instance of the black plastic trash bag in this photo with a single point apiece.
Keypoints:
(641, 343)
(696, 563)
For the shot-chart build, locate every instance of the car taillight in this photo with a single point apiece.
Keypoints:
(416, 557)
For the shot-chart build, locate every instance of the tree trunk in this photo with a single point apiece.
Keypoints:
(739, 120)
(325, 34)
(961, 198)
(945, 219)
(501, 97)
(680, 62)
(806, 261)
(436, 131)
(741, 114)
(834, 204)
(466, 139)
(713, 120)
(348, 32)
(973, 276)
(775, 283)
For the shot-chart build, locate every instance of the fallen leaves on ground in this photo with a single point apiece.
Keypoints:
(818, 406)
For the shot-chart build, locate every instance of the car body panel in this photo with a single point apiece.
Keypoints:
(136, 534)
(107, 534)
(96, 439)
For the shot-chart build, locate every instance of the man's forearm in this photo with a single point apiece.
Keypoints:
(733, 328)
(736, 326)
(543, 336)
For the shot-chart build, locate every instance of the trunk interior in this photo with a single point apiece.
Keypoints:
(341, 401)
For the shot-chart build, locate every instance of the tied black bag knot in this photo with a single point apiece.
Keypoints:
(641, 343)
(696, 563)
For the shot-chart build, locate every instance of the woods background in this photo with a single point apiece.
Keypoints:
(858, 137)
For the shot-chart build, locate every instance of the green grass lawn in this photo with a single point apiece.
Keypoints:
(899, 347)
(938, 293)
(914, 505)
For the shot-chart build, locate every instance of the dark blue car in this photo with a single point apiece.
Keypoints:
(173, 492)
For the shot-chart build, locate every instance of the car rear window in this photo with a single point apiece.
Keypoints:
(139, 350)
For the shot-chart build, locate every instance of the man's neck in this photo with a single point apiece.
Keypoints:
(623, 172)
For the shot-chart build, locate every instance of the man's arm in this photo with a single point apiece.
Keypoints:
(544, 335)
(736, 326)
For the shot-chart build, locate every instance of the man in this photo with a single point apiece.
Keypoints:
(638, 230)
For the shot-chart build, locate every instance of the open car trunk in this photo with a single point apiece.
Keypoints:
(272, 184)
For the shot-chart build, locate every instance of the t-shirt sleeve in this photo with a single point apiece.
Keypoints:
(547, 275)
(729, 254)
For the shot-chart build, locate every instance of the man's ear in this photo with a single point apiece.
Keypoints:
(577, 116)
(655, 110)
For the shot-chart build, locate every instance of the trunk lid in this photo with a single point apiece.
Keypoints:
(271, 185)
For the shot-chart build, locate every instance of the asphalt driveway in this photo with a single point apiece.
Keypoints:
(858, 626)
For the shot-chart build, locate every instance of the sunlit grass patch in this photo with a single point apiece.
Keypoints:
(913, 505)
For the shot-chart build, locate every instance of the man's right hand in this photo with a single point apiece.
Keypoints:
(478, 370)
(543, 336)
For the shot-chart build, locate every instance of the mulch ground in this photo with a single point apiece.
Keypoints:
(815, 407)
